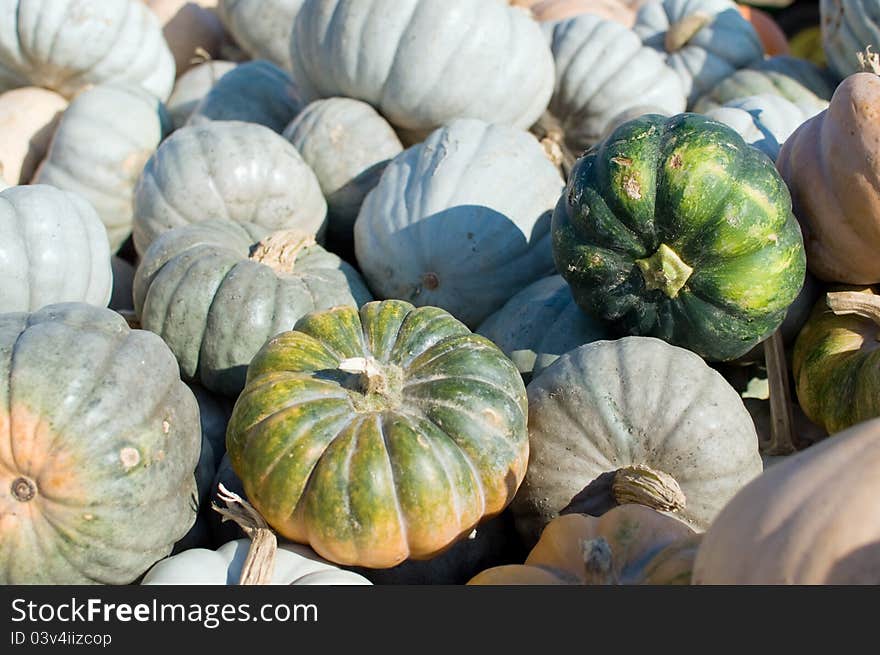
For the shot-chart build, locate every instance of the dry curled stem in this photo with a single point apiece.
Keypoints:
(642, 485)
(260, 562)
(781, 415)
(858, 303)
(869, 61)
(280, 249)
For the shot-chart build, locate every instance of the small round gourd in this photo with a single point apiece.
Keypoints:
(347, 143)
(461, 220)
(28, 118)
(628, 545)
(53, 248)
(408, 429)
(103, 140)
(811, 519)
(215, 291)
(539, 324)
(633, 420)
(242, 172)
(704, 41)
(262, 28)
(192, 86)
(424, 63)
(252, 92)
(602, 69)
(675, 228)
(69, 45)
(106, 439)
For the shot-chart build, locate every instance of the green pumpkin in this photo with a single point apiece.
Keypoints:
(676, 228)
(836, 361)
(381, 435)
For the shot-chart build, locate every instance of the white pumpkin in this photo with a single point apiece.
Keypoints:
(192, 86)
(602, 69)
(100, 147)
(197, 174)
(53, 248)
(28, 118)
(704, 41)
(423, 63)
(460, 221)
(347, 143)
(262, 28)
(68, 45)
(294, 565)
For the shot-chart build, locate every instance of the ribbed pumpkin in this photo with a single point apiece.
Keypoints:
(408, 429)
(103, 140)
(28, 118)
(191, 29)
(100, 439)
(539, 324)
(675, 228)
(215, 291)
(602, 69)
(252, 92)
(461, 220)
(347, 143)
(192, 86)
(832, 166)
(424, 63)
(848, 27)
(811, 519)
(704, 41)
(836, 360)
(241, 172)
(633, 420)
(69, 45)
(629, 545)
(262, 28)
(53, 249)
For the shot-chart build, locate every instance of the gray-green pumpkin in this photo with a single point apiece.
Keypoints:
(229, 170)
(100, 439)
(262, 28)
(192, 86)
(99, 149)
(848, 27)
(539, 324)
(69, 45)
(348, 144)
(216, 291)
(253, 92)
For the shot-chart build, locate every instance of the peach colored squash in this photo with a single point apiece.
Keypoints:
(189, 29)
(549, 10)
(28, 117)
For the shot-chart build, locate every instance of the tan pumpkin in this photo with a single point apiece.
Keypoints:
(631, 544)
(550, 10)
(28, 118)
(812, 518)
(192, 30)
(831, 164)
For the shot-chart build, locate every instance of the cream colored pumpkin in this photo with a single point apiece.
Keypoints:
(28, 118)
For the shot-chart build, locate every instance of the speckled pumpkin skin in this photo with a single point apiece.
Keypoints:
(836, 366)
(99, 439)
(371, 479)
(693, 185)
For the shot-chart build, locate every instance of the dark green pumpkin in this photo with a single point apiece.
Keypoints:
(836, 363)
(381, 435)
(676, 228)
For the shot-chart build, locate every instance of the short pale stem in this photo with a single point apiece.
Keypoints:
(373, 378)
(869, 61)
(280, 249)
(643, 485)
(781, 416)
(259, 565)
(665, 270)
(550, 134)
(858, 303)
(598, 561)
(680, 33)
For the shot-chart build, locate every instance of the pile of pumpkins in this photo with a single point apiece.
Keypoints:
(438, 292)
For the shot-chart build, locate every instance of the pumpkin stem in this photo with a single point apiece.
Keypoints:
(260, 562)
(869, 61)
(280, 249)
(200, 56)
(550, 134)
(680, 33)
(860, 303)
(665, 270)
(373, 378)
(598, 560)
(643, 485)
(781, 417)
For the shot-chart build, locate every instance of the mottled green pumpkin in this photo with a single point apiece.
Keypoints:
(380, 435)
(676, 228)
(836, 361)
